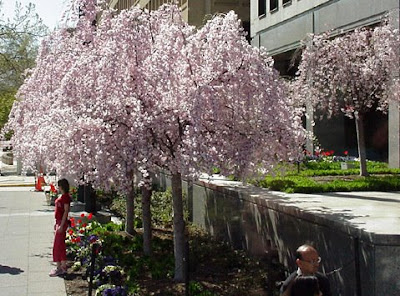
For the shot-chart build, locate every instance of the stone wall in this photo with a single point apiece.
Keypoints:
(253, 219)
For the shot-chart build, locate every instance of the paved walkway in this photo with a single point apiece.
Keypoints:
(17, 181)
(375, 212)
(26, 228)
(26, 237)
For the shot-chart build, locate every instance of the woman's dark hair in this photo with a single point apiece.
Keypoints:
(63, 183)
(305, 286)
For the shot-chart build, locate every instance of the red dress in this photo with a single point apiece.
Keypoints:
(59, 249)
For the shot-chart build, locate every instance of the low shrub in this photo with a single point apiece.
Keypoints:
(326, 175)
(161, 208)
(301, 184)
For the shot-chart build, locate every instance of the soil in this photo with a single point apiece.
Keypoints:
(76, 286)
(256, 277)
(324, 179)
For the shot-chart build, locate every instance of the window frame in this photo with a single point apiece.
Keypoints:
(275, 2)
(262, 8)
(286, 2)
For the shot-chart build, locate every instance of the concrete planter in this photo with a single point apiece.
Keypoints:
(50, 198)
(7, 158)
(346, 166)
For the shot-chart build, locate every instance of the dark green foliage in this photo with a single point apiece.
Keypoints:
(197, 289)
(303, 184)
(215, 267)
(161, 208)
(326, 175)
(332, 168)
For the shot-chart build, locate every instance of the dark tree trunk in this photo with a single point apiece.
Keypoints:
(359, 118)
(130, 212)
(179, 228)
(147, 230)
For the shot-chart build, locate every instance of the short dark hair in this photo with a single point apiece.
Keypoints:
(305, 286)
(63, 183)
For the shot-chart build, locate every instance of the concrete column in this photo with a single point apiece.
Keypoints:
(393, 115)
(394, 133)
(208, 7)
(19, 166)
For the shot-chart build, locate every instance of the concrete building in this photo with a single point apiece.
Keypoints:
(280, 25)
(195, 12)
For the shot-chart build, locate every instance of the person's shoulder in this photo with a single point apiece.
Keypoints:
(66, 197)
(288, 280)
(320, 275)
(324, 284)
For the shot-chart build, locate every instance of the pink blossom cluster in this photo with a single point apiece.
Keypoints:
(141, 90)
(350, 73)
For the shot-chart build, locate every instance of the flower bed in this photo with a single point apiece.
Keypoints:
(121, 268)
(81, 236)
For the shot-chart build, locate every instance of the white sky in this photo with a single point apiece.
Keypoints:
(50, 11)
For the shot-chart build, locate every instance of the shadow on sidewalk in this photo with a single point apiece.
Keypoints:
(10, 270)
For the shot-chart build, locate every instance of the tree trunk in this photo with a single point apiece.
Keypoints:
(146, 198)
(130, 212)
(359, 118)
(179, 228)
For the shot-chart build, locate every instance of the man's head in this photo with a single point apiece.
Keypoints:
(307, 259)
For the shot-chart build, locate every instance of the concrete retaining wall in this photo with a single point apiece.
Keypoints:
(7, 158)
(356, 262)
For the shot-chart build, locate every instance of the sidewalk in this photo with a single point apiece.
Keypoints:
(26, 238)
(17, 181)
(375, 212)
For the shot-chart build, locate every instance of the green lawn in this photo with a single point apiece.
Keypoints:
(327, 176)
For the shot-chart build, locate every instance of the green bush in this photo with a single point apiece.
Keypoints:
(302, 184)
(332, 168)
(289, 179)
(197, 289)
(161, 208)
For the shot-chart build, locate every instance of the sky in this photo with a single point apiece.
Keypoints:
(50, 11)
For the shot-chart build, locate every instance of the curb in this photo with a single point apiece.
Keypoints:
(17, 185)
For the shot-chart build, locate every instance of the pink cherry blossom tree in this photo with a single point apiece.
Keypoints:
(84, 114)
(102, 90)
(143, 91)
(350, 73)
(213, 100)
(35, 99)
(35, 121)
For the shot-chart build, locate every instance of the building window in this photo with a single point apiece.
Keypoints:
(262, 7)
(286, 2)
(273, 5)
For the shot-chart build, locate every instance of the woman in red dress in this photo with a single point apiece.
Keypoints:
(61, 211)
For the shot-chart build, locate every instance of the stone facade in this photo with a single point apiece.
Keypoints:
(281, 25)
(195, 12)
(360, 246)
